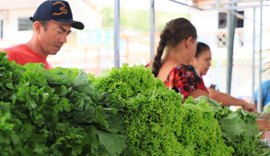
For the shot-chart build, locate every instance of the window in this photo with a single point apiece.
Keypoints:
(24, 24)
(222, 20)
(240, 21)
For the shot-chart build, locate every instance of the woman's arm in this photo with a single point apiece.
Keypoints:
(198, 92)
(228, 100)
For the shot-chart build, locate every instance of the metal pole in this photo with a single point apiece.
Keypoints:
(259, 105)
(152, 29)
(1, 28)
(253, 55)
(116, 33)
(231, 32)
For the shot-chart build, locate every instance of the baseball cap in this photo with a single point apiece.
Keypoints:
(57, 10)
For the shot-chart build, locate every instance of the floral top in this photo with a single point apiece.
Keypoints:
(184, 79)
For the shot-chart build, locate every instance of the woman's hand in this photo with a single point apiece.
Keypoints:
(250, 107)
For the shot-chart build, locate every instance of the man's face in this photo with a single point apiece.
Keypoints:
(52, 37)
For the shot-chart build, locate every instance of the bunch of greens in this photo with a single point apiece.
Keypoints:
(150, 112)
(201, 131)
(239, 130)
(155, 121)
(125, 111)
(56, 112)
(127, 82)
(9, 77)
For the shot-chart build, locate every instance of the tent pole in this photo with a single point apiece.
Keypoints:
(116, 33)
(231, 32)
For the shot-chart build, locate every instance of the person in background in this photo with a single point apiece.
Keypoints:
(202, 62)
(171, 64)
(52, 23)
(265, 91)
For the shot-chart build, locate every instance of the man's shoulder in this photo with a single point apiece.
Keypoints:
(16, 52)
(16, 48)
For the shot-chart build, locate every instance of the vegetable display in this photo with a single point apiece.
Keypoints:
(155, 119)
(239, 130)
(55, 112)
(124, 112)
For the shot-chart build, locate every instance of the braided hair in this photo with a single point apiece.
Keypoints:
(174, 32)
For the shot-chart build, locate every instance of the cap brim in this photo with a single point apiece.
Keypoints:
(74, 24)
(31, 18)
(77, 25)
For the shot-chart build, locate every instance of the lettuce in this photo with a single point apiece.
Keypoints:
(239, 130)
(155, 121)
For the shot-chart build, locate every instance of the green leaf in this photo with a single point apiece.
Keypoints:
(232, 127)
(62, 91)
(114, 143)
(10, 85)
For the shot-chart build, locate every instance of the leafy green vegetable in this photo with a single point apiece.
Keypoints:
(201, 131)
(239, 130)
(9, 77)
(155, 122)
(55, 112)
(125, 111)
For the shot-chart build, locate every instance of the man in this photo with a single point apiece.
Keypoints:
(52, 24)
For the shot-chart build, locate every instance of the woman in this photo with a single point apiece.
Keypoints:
(202, 62)
(176, 49)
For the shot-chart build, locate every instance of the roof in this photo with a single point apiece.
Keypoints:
(19, 4)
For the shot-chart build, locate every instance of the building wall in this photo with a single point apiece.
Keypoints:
(11, 33)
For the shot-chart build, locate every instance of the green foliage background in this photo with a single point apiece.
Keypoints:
(137, 19)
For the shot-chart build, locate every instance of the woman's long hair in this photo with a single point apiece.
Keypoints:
(174, 32)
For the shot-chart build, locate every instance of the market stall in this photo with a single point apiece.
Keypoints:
(125, 111)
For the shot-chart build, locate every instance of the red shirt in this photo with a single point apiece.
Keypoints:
(184, 79)
(22, 55)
